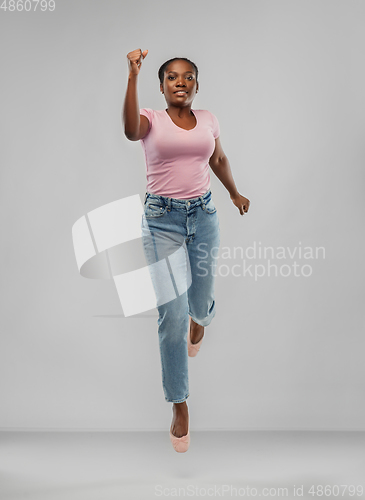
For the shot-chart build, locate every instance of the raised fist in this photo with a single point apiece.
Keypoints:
(135, 59)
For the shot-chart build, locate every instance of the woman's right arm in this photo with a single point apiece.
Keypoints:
(135, 125)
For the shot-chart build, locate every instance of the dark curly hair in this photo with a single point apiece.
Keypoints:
(163, 67)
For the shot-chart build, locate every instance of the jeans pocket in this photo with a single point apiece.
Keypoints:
(210, 208)
(154, 209)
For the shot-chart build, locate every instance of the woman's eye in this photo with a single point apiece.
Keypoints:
(189, 77)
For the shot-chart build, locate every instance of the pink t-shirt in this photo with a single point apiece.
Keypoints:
(177, 159)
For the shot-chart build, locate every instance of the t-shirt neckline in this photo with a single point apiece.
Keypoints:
(186, 130)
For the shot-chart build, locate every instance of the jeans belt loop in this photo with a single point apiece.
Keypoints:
(169, 204)
(202, 200)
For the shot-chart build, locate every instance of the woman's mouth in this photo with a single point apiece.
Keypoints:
(180, 93)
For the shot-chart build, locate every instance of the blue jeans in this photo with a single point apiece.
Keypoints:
(180, 240)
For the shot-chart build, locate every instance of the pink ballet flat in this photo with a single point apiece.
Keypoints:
(180, 444)
(193, 349)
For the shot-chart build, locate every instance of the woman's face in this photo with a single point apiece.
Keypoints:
(179, 85)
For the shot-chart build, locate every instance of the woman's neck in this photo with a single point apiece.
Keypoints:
(181, 113)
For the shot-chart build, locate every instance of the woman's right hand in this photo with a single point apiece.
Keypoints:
(135, 59)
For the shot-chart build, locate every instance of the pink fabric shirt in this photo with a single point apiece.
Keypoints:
(177, 159)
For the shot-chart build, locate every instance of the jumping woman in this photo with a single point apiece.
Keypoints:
(180, 144)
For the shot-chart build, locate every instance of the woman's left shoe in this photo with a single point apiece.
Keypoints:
(193, 349)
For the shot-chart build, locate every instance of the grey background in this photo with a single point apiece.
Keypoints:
(285, 80)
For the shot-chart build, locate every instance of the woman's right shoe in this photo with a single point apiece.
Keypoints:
(180, 444)
(193, 349)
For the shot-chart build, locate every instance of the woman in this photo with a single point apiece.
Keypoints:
(180, 145)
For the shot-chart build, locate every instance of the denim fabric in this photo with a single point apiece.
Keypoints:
(178, 236)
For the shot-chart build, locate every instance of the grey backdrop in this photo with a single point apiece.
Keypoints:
(286, 80)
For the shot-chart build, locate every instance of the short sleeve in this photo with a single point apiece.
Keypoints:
(148, 112)
(216, 129)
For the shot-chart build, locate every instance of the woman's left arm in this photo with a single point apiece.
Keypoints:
(220, 165)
